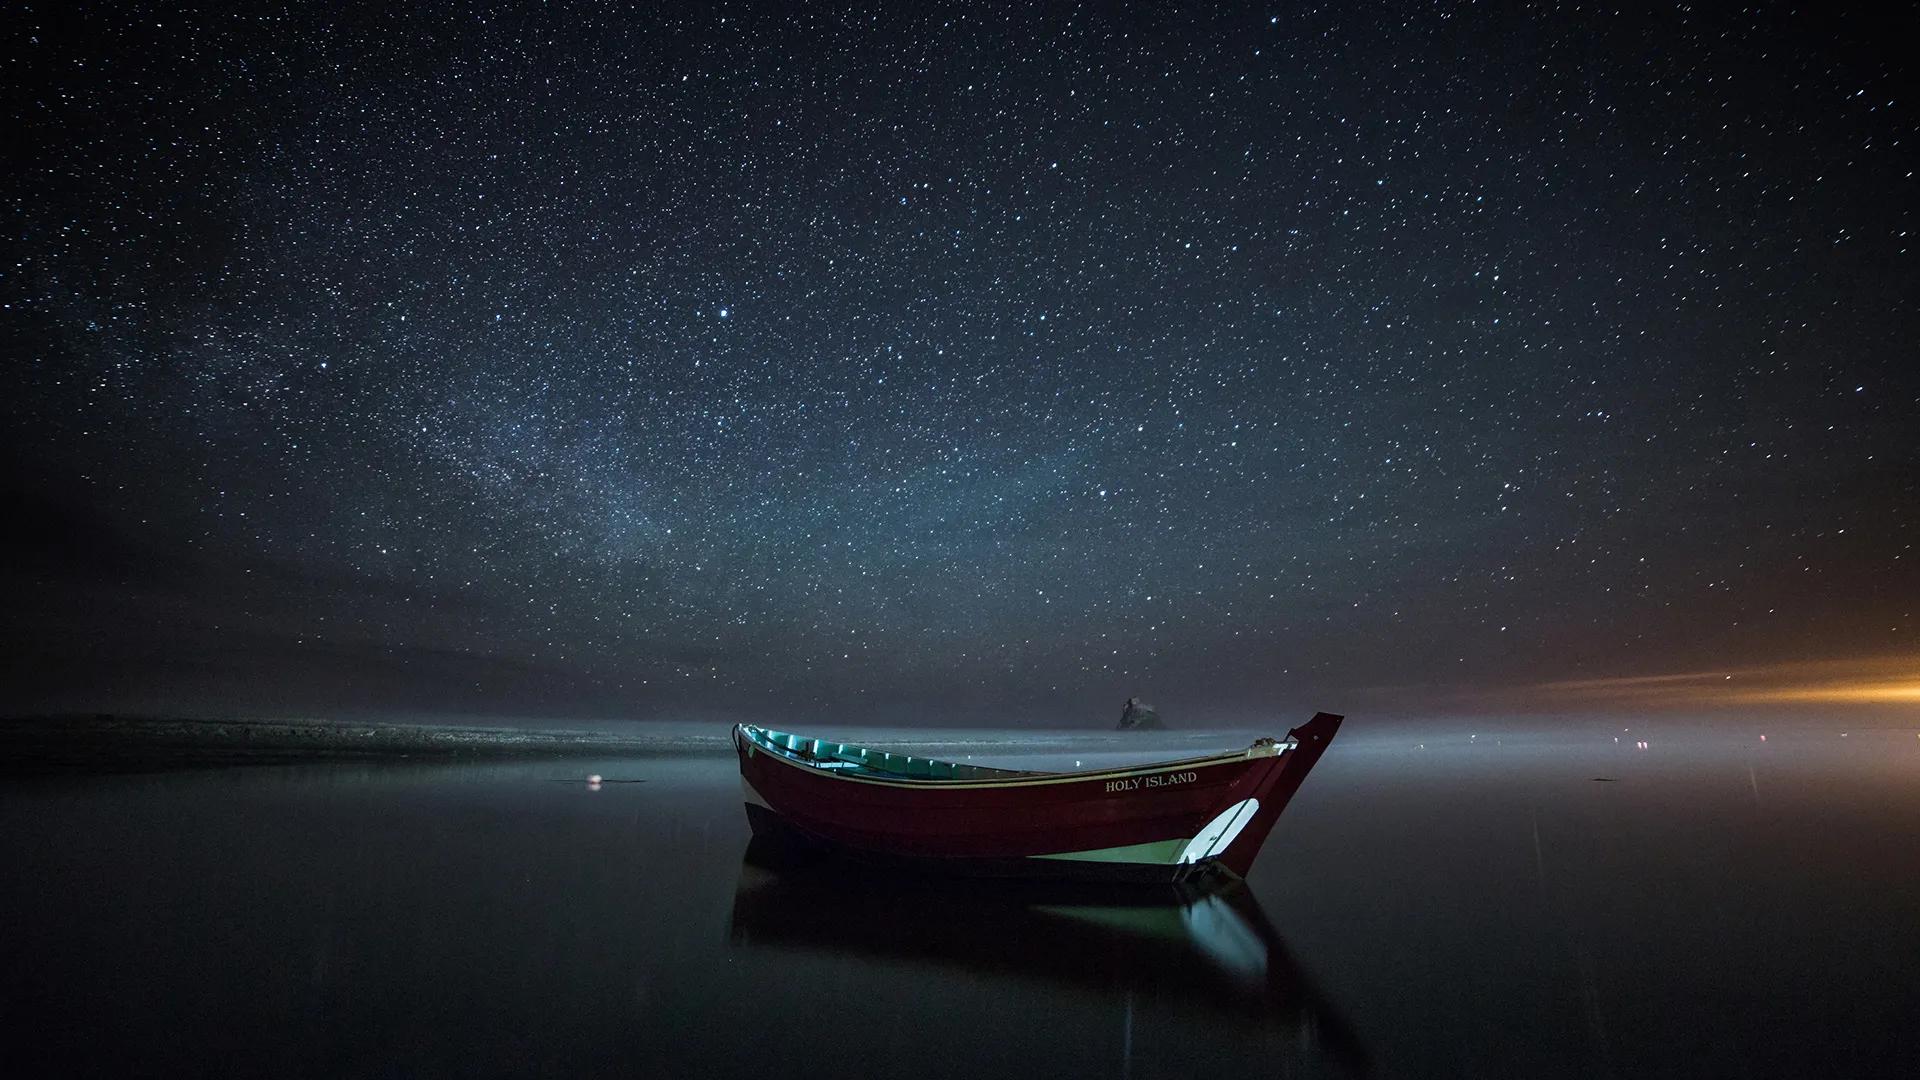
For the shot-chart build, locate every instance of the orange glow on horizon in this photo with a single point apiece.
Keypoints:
(1870, 681)
(1861, 692)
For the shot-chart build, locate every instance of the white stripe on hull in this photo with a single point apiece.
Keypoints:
(1220, 833)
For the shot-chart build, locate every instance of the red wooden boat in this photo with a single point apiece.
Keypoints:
(1172, 821)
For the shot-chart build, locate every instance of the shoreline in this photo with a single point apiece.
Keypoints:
(79, 744)
(107, 743)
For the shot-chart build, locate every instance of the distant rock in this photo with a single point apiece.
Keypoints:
(1139, 716)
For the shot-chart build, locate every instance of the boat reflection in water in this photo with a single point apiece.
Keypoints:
(1168, 949)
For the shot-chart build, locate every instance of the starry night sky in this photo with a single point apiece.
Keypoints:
(949, 362)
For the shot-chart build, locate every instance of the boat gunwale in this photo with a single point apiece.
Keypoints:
(1254, 751)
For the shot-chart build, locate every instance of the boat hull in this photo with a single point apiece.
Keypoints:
(1171, 822)
(770, 826)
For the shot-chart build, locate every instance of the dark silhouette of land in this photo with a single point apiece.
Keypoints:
(104, 742)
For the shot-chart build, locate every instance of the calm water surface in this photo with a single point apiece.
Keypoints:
(1484, 906)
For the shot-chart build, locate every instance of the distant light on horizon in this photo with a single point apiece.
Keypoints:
(1864, 681)
(1875, 693)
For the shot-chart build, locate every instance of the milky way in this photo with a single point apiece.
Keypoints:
(955, 362)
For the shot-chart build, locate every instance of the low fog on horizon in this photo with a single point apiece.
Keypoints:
(604, 367)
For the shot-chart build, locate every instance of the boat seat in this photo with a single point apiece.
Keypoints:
(846, 757)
